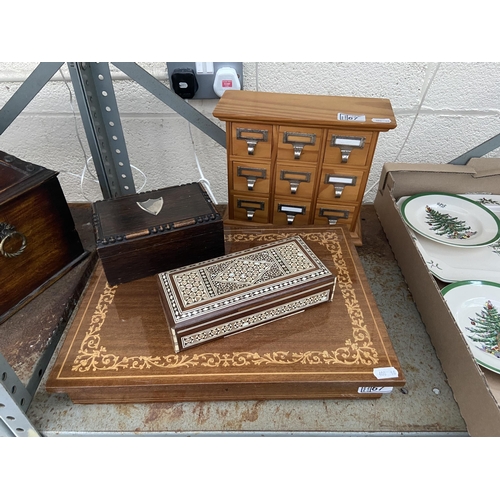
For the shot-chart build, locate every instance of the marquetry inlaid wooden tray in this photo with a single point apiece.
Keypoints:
(118, 348)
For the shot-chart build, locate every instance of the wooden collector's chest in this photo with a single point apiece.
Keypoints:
(243, 290)
(300, 159)
(38, 239)
(143, 234)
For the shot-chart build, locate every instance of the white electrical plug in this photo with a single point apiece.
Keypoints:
(226, 78)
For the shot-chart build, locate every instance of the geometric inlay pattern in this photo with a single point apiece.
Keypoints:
(241, 272)
(253, 320)
(198, 290)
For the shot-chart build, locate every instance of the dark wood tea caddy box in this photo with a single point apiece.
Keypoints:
(143, 234)
(38, 239)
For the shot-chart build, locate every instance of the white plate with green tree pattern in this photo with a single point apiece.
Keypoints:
(450, 264)
(475, 306)
(451, 219)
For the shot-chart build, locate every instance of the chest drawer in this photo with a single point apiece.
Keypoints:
(347, 146)
(327, 214)
(250, 177)
(299, 143)
(288, 212)
(251, 208)
(295, 180)
(252, 140)
(342, 184)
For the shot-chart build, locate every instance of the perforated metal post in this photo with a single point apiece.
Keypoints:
(95, 95)
(14, 402)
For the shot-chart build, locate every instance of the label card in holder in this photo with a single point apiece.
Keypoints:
(351, 118)
(388, 372)
(379, 390)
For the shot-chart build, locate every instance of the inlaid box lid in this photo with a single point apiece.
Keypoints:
(236, 281)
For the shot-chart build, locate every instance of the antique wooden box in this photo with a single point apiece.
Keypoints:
(326, 352)
(243, 290)
(146, 233)
(38, 239)
(295, 159)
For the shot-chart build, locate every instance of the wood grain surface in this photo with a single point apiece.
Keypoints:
(118, 349)
(315, 110)
(35, 206)
(134, 244)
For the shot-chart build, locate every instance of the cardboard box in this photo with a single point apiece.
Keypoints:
(476, 391)
(143, 234)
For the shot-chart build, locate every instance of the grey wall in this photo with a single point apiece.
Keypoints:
(442, 110)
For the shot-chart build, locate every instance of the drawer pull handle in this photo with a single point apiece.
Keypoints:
(298, 140)
(291, 211)
(340, 182)
(333, 215)
(7, 231)
(295, 178)
(250, 207)
(252, 175)
(346, 145)
(252, 137)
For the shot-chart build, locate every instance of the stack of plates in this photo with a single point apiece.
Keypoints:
(475, 306)
(474, 256)
(458, 237)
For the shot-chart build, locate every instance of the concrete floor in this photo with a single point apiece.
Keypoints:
(424, 407)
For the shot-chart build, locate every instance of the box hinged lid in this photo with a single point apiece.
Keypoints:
(18, 176)
(141, 215)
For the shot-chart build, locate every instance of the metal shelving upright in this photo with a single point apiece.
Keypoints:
(94, 91)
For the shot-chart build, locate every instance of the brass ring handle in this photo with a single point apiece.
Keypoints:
(8, 231)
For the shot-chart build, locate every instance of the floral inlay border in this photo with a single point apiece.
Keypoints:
(93, 356)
